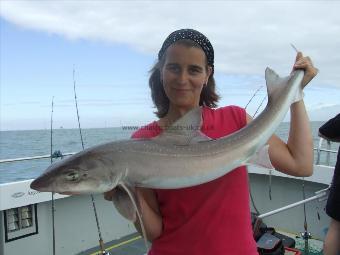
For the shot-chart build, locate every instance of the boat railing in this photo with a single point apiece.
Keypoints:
(58, 154)
(327, 150)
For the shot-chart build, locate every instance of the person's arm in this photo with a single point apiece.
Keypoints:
(296, 156)
(151, 216)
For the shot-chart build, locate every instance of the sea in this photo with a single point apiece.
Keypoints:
(30, 143)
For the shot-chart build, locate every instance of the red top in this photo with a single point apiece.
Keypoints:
(211, 218)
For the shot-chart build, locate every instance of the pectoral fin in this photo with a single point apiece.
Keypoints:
(123, 203)
(126, 202)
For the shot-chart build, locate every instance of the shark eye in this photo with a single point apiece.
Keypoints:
(72, 176)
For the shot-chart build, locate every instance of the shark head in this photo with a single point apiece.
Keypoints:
(86, 172)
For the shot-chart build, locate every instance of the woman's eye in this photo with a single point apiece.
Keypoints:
(173, 68)
(194, 71)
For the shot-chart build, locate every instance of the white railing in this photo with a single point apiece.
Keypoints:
(54, 155)
(319, 149)
(58, 154)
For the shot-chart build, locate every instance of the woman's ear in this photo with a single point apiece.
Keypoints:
(209, 72)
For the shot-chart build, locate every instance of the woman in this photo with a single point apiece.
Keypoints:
(212, 218)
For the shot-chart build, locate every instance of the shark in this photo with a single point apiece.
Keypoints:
(181, 156)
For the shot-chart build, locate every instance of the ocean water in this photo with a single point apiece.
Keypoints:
(16, 144)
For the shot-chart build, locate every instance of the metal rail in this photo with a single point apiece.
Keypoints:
(71, 153)
(35, 157)
(326, 150)
(322, 194)
(320, 149)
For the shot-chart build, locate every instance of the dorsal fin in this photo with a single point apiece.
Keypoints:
(185, 131)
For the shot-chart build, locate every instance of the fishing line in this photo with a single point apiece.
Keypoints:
(101, 243)
(53, 206)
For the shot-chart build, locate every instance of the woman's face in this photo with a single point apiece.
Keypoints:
(183, 75)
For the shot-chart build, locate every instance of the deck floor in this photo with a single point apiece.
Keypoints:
(128, 245)
(134, 245)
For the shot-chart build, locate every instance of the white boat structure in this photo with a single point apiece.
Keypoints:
(29, 225)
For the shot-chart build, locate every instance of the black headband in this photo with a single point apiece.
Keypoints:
(192, 35)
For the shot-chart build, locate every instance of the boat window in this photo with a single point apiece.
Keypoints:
(20, 222)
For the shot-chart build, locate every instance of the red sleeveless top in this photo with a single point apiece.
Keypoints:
(211, 218)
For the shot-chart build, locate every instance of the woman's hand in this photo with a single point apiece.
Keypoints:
(306, 64)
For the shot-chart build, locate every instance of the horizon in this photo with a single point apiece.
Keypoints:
(124, 128)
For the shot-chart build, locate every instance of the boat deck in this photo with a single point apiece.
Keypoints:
(134, 245)
(129, 245)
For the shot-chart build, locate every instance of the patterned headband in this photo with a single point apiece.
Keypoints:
(192, 35)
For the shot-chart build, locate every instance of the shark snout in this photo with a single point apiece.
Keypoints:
(40, 184)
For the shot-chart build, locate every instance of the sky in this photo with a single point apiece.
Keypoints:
(112, 45)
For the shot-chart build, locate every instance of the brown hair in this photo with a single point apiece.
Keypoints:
(208, 97)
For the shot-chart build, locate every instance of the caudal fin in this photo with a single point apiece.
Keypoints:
(274, 82)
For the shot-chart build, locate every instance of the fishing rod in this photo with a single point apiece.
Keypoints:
(305, 235)
(53, 205)
(251, 99)
(258, 108)
(101, 242)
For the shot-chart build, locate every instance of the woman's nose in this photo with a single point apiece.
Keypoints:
(183, 77)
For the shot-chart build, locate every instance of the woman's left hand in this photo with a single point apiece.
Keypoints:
(306, 64)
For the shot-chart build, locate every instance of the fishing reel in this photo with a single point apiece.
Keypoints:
(306, 235)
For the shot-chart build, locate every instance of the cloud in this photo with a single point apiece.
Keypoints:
(323, 106)
(247, 36)
(324, 112)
